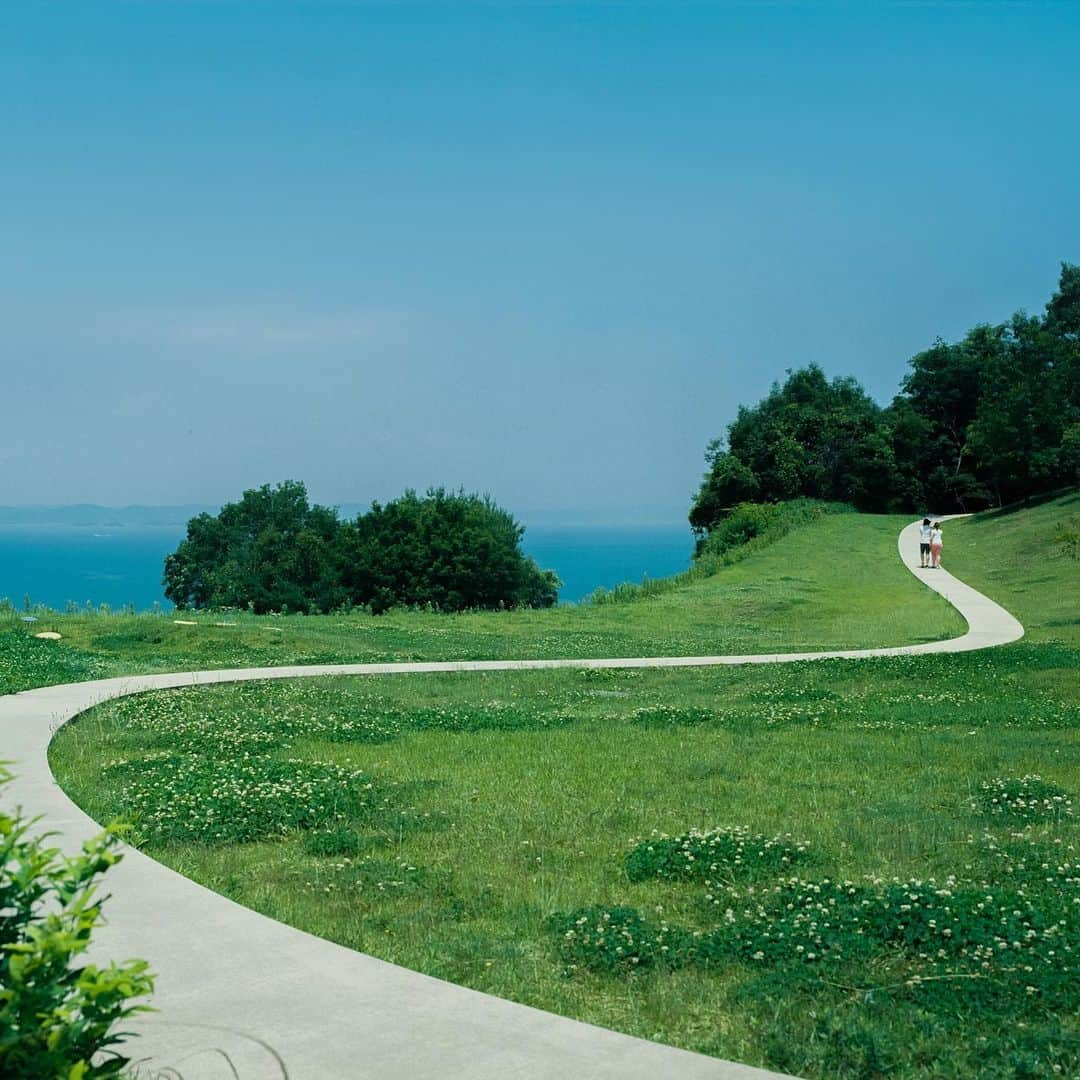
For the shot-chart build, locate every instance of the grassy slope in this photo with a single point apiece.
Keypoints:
(1011, 556)
(796, 595)
(872, 762)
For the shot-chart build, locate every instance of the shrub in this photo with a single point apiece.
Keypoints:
(273, 551)
(1023, 798)
(269, 551)
(58, 1017)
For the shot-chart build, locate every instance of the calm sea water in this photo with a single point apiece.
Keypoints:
(122, 565)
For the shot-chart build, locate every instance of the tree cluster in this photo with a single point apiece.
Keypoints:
(988, 420)
(273, 551)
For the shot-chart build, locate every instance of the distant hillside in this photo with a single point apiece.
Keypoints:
(90, 514)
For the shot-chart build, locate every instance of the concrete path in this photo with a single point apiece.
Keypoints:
(242, 997)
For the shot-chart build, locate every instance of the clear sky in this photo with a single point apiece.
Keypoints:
(541, 250)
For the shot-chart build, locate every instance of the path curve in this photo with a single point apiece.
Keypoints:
(241, 995)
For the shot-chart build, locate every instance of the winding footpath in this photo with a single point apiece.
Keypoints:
(242, 997)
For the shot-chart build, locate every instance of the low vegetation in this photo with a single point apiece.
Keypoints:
(836, 869)
(59, 1016)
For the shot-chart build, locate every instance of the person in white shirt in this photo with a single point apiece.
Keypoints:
(935, 546)
(924, 543)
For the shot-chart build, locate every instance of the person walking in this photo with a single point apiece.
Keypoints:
(924, 543)
(936, 545)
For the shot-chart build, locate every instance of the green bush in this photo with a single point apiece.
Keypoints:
(273, 551)
(447, 550)
(58, 1017)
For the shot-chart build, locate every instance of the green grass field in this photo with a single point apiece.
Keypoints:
(477, 826)
(795, 595)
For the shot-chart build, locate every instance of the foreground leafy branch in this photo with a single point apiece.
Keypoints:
(58, 1016)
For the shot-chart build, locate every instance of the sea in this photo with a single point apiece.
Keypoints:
(60, 565)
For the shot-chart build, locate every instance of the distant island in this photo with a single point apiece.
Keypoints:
(89, 514)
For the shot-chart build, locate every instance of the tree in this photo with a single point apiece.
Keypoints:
(810, 437)
(727, 483)
(270, 551)
(1016, 434)
(943, 390)
(1063, 308)
(989, 419)
(447, 550)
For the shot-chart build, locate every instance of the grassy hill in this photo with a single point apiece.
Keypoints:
(1012, 556)
(505, 813)
(796, 595)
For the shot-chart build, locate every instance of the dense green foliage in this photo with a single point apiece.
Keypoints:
(810, 438)
(58, 1016)
(449, 551)
(985, 421)
(273, 551)
(270, 551)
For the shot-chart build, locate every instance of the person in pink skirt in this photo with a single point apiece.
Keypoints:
(935, 546)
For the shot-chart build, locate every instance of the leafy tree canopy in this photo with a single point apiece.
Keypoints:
(447, 550)
(273, 551)
(810, 438)
(990, 419)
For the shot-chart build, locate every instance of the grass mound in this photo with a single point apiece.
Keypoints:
(711, 856)
(1023, 799)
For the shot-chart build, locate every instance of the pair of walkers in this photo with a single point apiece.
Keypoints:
(930, 545)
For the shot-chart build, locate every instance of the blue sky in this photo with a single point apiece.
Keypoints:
(542, 250)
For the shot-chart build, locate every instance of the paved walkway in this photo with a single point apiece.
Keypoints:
(242, 997)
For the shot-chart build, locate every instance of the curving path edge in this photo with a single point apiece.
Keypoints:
(243, 997)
